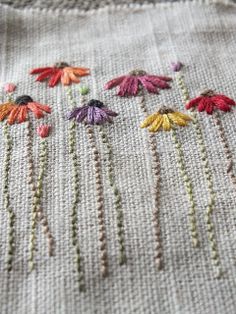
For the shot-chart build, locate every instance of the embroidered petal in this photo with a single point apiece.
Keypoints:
(13, 115)
(55, 78)
(45, 74)
(114, 82)
(155, 80)
(82, 114)
(22, 115)
(226, 99)
(110, 112)
(202, 104)
(39, 70)
(148, 85)
(80, 71)
(149, 120)
(155, 126)
(44, 108)
(65, 79)
(221, 104)
(123, 88)
(73, 78)
(177, 120)
(194, 102)
(183, 116)
(166, 123)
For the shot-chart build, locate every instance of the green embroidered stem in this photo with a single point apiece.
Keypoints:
(156, 167)
(6, 198)
(208, 175)
(76, 197)
(99, 201)
(42, 169)
(35, 198)
(189, 190)
(117, 196)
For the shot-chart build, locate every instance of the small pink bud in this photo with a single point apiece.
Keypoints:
(176, 66)
(44, 130)
(9, 87)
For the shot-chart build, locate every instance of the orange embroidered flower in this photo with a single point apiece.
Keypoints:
(17, 111)
(60, 71)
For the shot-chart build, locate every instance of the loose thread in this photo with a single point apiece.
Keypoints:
(227, 151)
(189, 190)
(157, 187)
(99, 201)
(208, 175)
(35, 198)
(43, 219)
(117, 196)
(6, 198)
(76, 197)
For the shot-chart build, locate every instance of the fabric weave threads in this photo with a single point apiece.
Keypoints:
(6, 198)
(76, 194)
(209, 180)
(189, 189)
(156, 189)
(117, 196)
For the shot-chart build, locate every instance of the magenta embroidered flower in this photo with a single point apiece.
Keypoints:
(176, 66)
(131, 84)
(94, 112)
(9, 87)
(44, 130)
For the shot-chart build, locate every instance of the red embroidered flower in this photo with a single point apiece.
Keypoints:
(17, 111)
(129, 85)
(209, 101)
(60, 71)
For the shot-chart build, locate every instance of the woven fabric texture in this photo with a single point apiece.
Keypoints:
(111, 42)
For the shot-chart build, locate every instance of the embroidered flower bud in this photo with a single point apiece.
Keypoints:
(9, 87)
(176, 66)
(44, 130)
(83, 90)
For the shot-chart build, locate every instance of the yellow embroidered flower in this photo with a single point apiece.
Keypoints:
(165, 119)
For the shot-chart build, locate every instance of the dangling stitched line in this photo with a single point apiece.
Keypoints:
(189, 189)
(6, 198)
(99, 201)
(208, 175)
(117, 196)
(76, 197)
(43, 160)
(157, 190)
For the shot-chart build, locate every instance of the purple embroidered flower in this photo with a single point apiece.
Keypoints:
(94, 112)
(129, 85)
(176, 66)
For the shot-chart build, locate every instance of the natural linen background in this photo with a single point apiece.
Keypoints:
(112, 42)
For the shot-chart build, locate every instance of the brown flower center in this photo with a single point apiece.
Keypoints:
(61, 65)
(208, 93)
(137, 72)
(165, 110)
(23, 100)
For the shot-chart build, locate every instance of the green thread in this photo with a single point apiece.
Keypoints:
(6, 198)
(117, 196)
(35, 198)
(208, 175)
(76, 196)
(189, 190)
(83, 90)
(43, 161)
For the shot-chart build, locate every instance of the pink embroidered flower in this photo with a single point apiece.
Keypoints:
(129, 85)
(44, 130)
(9, 87)
(61, 71)
(209, 101)
(176, 66)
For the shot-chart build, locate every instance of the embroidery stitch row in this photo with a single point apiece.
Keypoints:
(208, 175)
(76, 190)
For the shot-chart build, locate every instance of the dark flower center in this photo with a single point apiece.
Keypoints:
(61, 65)
(95, 103)
(208, 93)
(137, 72)
(23, 100)
(165, 110)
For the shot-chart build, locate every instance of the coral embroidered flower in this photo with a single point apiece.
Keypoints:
(209, 101)
(94, 112)
(61, 71)
(17, 111)
(129, 85)
(44, 130)
(166, 119)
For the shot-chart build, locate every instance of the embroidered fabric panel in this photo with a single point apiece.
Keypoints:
(110, 217)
